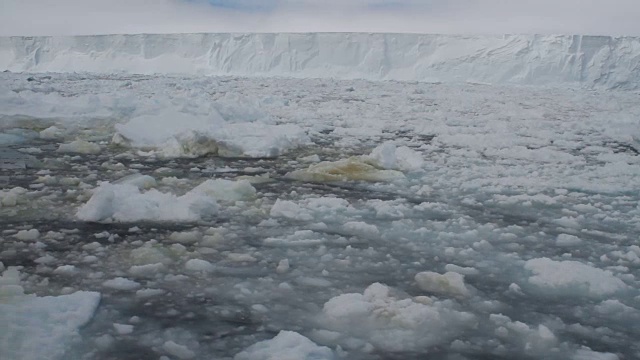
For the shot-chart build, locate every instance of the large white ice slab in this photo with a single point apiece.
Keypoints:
(35, 327)
(592, 61)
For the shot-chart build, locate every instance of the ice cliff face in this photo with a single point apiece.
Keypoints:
(585, 61)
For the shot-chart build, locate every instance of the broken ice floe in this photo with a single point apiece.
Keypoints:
(394, 322)
(177, 134)
(41, 327)
(385, 163)
(126, 202)
(571, 277)
(286, 345)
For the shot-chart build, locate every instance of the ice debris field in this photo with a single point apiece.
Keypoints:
(319, 196)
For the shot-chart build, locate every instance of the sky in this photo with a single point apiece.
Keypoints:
(83, 17)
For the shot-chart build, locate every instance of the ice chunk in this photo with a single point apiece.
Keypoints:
(461, 270)
(138, 180)
(237, 257)
(290, 210)
(27, 235)
(121, 283)
(392, 323)
(530, 339)
(286, 345)
(50, 133)
(177, 350)
(360, 228)
(238, 108)
(126, 203)
(146, 293)
(148, 270)
(351, 169)
(258, 139)
(79, 147)
(149, 254)
(41, 327)
(178, 134)
(172, 133)
(65, 270)
(571, 277)
(123, 329)
(186, 237)
(388, 156)
(450, 283)
(227, 190)
(199, 265)
(12, 196)
(283, 266)
(311, 208)
(566, 240)
(298, 238)
(588, 354)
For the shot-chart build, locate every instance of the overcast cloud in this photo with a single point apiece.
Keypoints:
(74, 17)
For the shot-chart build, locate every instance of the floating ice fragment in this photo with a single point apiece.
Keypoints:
(51, 133)
(236, 257)
(12, 196)
(388, 156)
(177, 350)
(126, 203)
(450, 283)
(351, 169)
(149, 254)
(148, 271)
(121, 283)
(360, 228)
(530, 339)
(138, 180)
(588, 354)
(186, 237)
(79, 147)
(461, 270)
(40, 327)
(27, 235)
(178, 134)
(227, 190)
(147, 293)
(123, 329)
(566, 240)
(572, 278)
(65, 270)
(286, 345)
(290, 210)
(199, 265)
(392, 323)
(283, 266)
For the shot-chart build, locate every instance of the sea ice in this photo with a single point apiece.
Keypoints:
(121, 283)
(571, 278)
(41, 327)
(393, 323)
(351, 169)
(79, 147)
(178, 134)
(450, 283)
(389, 156)
(126, 203)
(286, 345)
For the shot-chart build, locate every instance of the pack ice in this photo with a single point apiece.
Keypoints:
(319, 196)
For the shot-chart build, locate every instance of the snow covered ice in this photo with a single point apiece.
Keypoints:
(477, 212)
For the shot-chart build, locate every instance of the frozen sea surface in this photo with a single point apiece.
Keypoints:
(316, 219)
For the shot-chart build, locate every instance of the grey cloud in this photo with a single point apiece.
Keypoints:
(70, 17)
